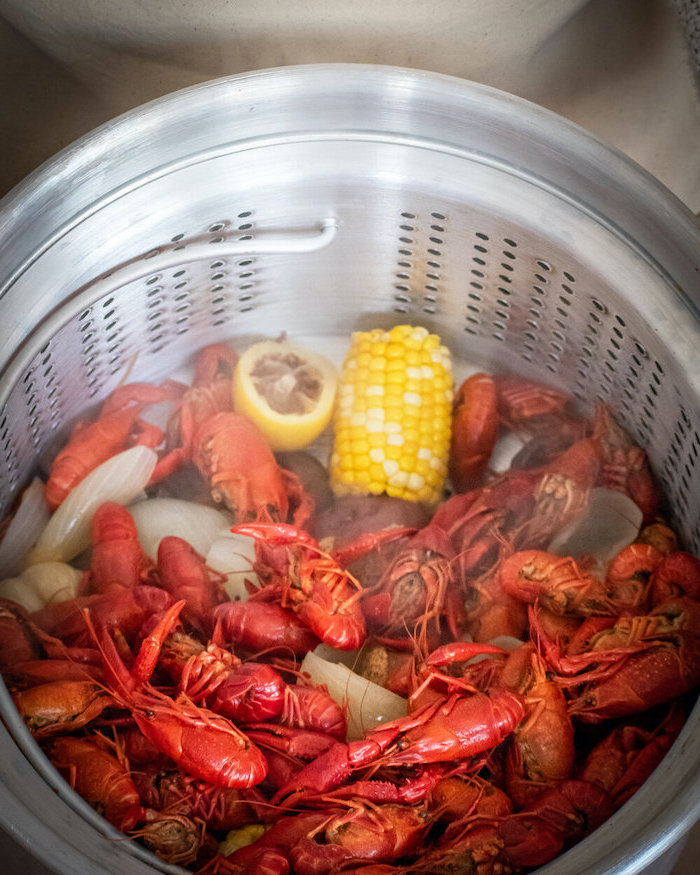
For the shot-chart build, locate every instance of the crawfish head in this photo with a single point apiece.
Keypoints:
(379, 833)
(495, 844)
(413, 587)
(173, 837)
(58, 706)
(233, 456)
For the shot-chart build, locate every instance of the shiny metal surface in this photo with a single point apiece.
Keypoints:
(524, 242)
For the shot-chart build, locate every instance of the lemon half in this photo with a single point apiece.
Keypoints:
(288, 391)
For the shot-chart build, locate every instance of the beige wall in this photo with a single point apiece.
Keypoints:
(618, 67)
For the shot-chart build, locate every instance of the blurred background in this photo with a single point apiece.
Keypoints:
(623, 69)
(626, 70)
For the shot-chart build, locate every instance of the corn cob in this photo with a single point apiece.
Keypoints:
(393, 415)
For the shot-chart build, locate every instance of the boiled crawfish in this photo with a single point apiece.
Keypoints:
(631, 663)
(304, 578)
(118, 561)
(233, 457)
(202, 743)
(484, 404)
(117, 427)
(101, 776)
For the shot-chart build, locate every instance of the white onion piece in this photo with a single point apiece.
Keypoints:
(158, 518)
(22, 592)
(504, 451)
(53, 581)
(233, 555)
(368, 704)
(609, 522)
(119, 479)
(26, 525)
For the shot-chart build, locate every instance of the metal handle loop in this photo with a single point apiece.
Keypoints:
(177, 254)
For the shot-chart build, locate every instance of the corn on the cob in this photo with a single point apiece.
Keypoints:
(393, 415)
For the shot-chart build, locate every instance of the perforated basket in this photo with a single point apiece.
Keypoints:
(319, 200)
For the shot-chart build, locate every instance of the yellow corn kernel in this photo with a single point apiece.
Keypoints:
(393, 425)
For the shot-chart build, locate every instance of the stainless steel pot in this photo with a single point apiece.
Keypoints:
(323, 199)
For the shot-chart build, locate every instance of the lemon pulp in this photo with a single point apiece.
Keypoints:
(287, 390)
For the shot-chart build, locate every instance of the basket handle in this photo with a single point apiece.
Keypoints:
(198, 248)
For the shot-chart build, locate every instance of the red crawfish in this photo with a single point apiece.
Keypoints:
(18, 640)
(269, 854)
(211, 392)
(291, 741)
(309, 581)
(456, 796)
(449, 668)
(625, 465)
(228, 449)
(61, 706)
(202, 743)
(474, 430)
(117, 561)
(233, 456)
(350, 832)
(660, 536)
(416, 590)
(541, 751)
(574, 806)
(558, 583)
(31, 672)
(677, 574)
(117, 427)
(246, 692)
(362, 833)
(198, 669)
(125, 610)
(517, 508)
(478, 524)
(257, 625)
(382, 787)
(629, 574)
(183, 573)
(627, 756)
(452, 728)
(101, 776)
(175, 838)
(494, 845)
(169, 789)
(631, 665)
(485, 404)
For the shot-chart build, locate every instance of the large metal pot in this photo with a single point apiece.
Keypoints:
(322, 199)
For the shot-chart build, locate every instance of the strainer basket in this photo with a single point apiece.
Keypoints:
(319, 200)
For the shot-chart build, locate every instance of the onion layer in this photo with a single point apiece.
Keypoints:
(609, 522)
(24, 530)
(368, 704)
(21, 592)
(157, 518)
(53, 581)
(233, 555)
(121, 478)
